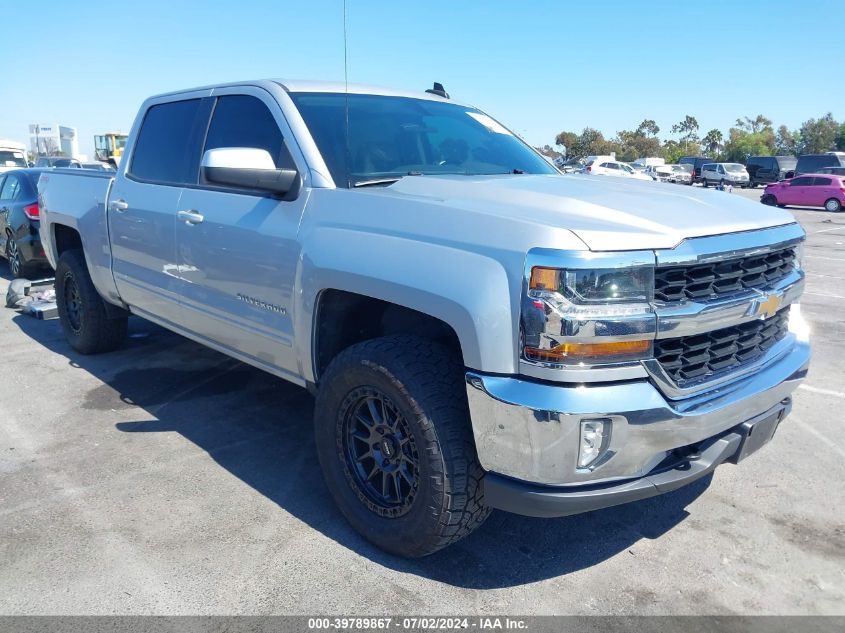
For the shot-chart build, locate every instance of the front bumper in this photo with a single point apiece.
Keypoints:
(527, 433)
(677, 470)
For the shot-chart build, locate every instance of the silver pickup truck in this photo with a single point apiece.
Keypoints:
(480, 331)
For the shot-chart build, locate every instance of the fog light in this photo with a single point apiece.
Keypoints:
(595, 437)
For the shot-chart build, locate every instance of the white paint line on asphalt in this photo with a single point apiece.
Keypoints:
(830, 259)
(825, 276)
(838, 228)
(822, 437)
(824, 392)
(824, 294)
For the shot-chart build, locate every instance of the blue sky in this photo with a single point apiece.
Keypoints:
(540, 67)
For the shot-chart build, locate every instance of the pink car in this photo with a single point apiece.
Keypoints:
(807, 190)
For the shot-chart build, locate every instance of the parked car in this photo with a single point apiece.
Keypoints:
(385, 266)
(12, 155)
(614, 168)
(57, 161)
(766, 169)
(20, 241)
(696, 162)
(661, 173)
(837, 171)
(807, 190)
(732, 174)
(681, 174)
(811, 163)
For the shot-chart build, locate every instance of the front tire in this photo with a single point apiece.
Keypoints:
(82, 312)
(769, 200)
(833, 205)
(395, 445)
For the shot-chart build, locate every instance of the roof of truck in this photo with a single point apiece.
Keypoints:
(300, 85)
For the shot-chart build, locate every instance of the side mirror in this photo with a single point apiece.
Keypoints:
(248, 168)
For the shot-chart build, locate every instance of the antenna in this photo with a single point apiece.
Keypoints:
(346, 97)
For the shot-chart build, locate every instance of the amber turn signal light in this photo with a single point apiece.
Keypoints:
(587, 350)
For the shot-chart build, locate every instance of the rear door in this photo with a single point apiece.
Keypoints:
(238, 251)
(143, 203)
(821, 191)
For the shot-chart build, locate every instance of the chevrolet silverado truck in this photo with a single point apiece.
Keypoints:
(480, 331)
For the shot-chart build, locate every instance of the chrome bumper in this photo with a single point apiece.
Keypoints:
(529, 431)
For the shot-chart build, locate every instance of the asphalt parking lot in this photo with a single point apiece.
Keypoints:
(168, 479)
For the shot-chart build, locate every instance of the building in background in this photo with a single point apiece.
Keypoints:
(53, 140)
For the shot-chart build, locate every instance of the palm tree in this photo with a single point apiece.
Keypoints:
(712, 141)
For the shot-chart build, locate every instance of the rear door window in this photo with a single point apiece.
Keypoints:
(11, 188)
(822, 182)
(245, 121)
(164, 151)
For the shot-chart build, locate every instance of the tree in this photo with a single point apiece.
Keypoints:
(648, 128)
(672, 151)
(755, 125)
(742, 144)
(547, 150)
(787, 142)
(567, 140)
(840, 138)
(819, 136)
(634, 144)
(712, 141)
(688, 131)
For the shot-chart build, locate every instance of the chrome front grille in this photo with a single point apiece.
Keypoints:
(693, 358)
(702, 282)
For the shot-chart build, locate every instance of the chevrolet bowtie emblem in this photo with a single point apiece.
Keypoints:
(766, 307)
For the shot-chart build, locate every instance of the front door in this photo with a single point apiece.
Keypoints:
(797, 191)
(237, 249)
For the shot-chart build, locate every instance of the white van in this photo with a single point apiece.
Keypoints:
(12, 155)
(724, 173)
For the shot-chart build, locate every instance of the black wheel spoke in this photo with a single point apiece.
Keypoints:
(371, 405)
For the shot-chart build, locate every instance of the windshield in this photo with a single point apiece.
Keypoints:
(734, 167)
(627, 168)
(11, 158)
(390, 137)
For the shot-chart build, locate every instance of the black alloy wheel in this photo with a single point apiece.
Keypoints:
(380, 452)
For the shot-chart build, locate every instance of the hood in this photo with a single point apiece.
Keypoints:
(605, 213)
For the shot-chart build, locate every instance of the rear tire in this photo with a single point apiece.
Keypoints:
(403, 471)
(17, 266)
(704, 183)
(833, 205)
(82, 312)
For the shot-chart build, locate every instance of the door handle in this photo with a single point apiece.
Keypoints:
(118, 205)
(190, 216)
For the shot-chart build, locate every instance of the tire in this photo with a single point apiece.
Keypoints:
(833, 205)
(17, 266)
(704, 183)
(420, 386)
(82, 312)
(769, 200)
(722, 183)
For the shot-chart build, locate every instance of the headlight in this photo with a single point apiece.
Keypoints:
(799, 255)
(581, 314)
(593, 286)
